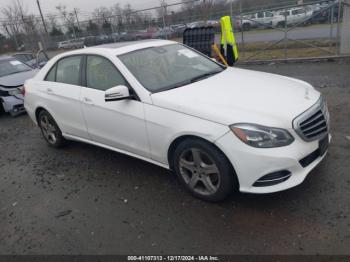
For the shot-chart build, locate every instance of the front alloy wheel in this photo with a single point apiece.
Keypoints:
(199, 171)
(204, 170)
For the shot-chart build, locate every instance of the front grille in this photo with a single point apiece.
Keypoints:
(314, 123)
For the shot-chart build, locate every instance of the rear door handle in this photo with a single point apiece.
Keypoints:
(49, 90)
(88, 101)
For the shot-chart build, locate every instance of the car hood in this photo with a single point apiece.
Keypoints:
(239, 95)
(18, 79)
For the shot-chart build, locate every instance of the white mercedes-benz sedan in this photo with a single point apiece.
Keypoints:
(220, 129)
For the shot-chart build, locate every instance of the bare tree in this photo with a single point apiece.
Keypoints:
(118, 16)
(127, 13)
(68, 18)
(188, 8)
(13, 22)
(52, 21)
(162, 13)
(102, 15)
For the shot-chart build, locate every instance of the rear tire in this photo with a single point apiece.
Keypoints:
(50, 130)
(281, 24)
(204, 170)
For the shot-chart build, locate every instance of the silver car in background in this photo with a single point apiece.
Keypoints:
(13, 74)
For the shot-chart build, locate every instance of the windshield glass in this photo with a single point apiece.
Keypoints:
(170, 66)
(12, 66)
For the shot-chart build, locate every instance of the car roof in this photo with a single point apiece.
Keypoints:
(5, 57)
(128, 43)
(120, 48)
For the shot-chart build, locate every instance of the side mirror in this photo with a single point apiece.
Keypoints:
(117, 93)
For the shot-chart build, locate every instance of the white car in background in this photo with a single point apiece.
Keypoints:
(220, 129)
(63, 45)
(71, 44)
(292, 17)
(262, 19)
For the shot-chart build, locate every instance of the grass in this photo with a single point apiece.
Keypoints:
(290, 49)
(300, 49)
(272, 54)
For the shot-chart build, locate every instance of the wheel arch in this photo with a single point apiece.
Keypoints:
(42, 108)
(37, 112)
(182, 138)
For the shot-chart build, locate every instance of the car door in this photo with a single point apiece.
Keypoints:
(260, 19)
(294, 16)
(268, 18)
(61, 92)
(298, 15)
(119, 124)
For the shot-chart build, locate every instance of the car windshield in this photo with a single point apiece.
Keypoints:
(12, 66)
(167, 67)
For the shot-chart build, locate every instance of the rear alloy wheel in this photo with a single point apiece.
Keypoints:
(204, 170)
(50, 130)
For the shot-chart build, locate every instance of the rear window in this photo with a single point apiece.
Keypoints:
(68, 70)
(51, 76)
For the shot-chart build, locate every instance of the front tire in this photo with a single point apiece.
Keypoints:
(50, 130)
(2, 110)
(204, 170)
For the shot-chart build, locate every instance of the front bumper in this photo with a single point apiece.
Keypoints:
(252, 163)
(13, 104)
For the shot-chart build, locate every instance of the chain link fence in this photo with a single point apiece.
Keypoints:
(279, 31)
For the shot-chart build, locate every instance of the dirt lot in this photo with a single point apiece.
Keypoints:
(87, 200)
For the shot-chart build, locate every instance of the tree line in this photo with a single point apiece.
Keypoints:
(18, 24)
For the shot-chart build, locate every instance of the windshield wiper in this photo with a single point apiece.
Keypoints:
(175, 86)
(190, 81)
(206, 75)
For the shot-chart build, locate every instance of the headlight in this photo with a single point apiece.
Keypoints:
(262, 136)
(14, 92)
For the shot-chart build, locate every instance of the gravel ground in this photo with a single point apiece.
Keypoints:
(87, 200)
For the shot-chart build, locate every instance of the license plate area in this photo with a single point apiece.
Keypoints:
(323, 145)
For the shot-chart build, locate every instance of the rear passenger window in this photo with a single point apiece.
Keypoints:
(68, 70)
(101, 74)
(51, 76)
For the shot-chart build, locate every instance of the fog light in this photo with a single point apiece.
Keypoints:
(273, 178)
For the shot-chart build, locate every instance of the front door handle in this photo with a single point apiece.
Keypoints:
(87, 101)
(49, 90)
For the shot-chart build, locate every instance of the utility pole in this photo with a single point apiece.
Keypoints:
(345, 31)
(76, 16)
(163, 6)
(22, 16)
(42, 17)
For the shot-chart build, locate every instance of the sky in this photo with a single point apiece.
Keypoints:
(84, 6)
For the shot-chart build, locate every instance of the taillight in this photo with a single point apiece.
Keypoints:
(23, 90)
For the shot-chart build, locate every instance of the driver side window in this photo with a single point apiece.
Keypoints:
(101, 74)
